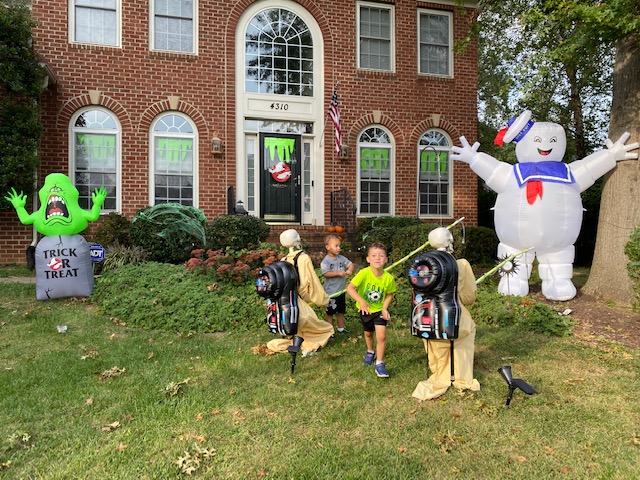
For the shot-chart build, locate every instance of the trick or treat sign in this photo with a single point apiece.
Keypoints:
(63, 267)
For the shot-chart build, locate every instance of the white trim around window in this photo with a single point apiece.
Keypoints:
(435, 42)
(173, 160)
(95, 156)
(173, 26)
(375, 30)
(95, 22)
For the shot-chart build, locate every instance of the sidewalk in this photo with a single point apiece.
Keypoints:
(18, 279)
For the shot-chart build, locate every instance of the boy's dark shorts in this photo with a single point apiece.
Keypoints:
(337, 305)
(369, 322)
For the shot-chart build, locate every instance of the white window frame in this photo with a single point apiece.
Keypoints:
(72, 25)
(152, 160)
(449, 15)
(194, 30)
(392, 34)
(448, 177)
(392, 159)
(118, 146)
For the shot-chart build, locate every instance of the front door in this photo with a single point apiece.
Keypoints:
(280, 162)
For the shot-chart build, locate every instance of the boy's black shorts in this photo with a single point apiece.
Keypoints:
(337, 305)
(369, 322)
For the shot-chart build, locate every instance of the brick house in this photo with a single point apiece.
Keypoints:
(178, 100)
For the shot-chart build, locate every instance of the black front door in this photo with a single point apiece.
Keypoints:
(280, 160)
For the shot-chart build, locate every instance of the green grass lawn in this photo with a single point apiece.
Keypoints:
(103, 401)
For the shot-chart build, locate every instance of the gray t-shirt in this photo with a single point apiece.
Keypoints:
(328, 264)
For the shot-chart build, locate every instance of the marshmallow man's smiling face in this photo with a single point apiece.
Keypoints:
(545, 142)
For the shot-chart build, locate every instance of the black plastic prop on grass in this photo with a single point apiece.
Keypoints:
(514, 383)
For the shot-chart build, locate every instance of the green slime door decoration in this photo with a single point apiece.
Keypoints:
(284, 147)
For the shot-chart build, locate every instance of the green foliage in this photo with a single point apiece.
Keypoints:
(114, 228)
(21, 84)
(236, 232)
(168, 232)
(380, 229)
(117, 255)
(480, 247)
(632, 251)
(169, 297)
(492, 308)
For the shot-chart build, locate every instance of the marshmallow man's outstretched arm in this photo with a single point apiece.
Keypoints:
(494, 172)
(591, 168)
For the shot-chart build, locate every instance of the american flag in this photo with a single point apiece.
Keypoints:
(334, 113)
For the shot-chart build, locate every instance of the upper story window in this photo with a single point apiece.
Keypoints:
(173, 140)
(434, 174)
(279, 54)
(95, 156)
(173, 26)
(435, 53)
(375, 37)
(375, 172)
(95, 21)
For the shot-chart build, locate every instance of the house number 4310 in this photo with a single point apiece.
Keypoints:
(279, 106)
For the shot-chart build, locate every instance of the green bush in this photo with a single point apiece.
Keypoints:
(113, 229)
(380, 229)
(236, 232)
(480, 246)
(116, 256)
(168, 297)
(492, 308)
(168, 232)
(632, 250)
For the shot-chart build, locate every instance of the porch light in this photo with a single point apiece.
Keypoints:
(216, 144)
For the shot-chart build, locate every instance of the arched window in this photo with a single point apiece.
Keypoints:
(95, 156)
(173, 145)
(434, 174)
(279, 54)
(375, 172)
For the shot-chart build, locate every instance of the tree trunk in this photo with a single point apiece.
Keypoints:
(620, 203)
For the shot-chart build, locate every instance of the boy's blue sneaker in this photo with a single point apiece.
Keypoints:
(381, 371)
(369, 357)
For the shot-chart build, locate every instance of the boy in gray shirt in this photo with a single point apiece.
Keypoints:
(335, 268)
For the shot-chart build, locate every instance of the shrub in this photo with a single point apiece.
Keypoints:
(632, 250)
(231, 266)
(119, 255)
(236, 232)
(169, 232)
(380, 229)
(113, 229)
(492, 308)
(480, 246)
(169, 297)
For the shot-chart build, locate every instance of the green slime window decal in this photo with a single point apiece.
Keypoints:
(285, 147)
(377, 158)
(98, 146)
(429, 162)
(174, 149)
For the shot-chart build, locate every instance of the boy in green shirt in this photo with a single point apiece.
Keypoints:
(372, 288)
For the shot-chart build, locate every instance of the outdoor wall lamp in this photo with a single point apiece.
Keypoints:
(344, 151)
(216, 144)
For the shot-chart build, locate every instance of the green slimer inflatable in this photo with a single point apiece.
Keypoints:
(59, 212)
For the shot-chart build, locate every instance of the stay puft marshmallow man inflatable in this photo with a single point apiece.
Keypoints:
(538, 204)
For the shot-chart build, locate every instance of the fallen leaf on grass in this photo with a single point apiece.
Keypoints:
(150, 355)
(215, 411)
(549, 450)
(402, 449)
(636, 439)
(198, 417)
(522, 459)
(89, 401)
(261, 473)
(261, 349)
(111, 427)
(239, 416)
(121, 447)
(292, 380)
(6, 464)
(112, 372)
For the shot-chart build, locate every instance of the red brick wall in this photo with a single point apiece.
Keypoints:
(136, 83)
